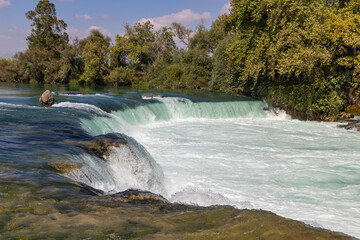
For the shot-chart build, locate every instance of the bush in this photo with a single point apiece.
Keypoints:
(120, 77)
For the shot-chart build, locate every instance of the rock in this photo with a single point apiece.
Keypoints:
(100, 145)
(351, 125)
(151, 95)
(47, 99)
(64, 166)
(86, 189)
(134, 196)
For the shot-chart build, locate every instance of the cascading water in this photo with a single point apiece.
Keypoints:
(132, 166)
(127, 166)
(237, 153)
(173, 109)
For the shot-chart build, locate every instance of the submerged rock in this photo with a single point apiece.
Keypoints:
(134, 196)
(47, 99)
(100, 145)
(86, 189)
(64, 166)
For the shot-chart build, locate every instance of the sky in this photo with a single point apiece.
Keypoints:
(108, 16)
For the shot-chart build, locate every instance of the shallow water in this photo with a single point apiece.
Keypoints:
(202, 149)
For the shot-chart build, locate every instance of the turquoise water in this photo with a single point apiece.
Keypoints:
(194, 149)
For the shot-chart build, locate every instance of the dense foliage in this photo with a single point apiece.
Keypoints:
(301, 55)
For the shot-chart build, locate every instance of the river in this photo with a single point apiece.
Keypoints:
(202, 148)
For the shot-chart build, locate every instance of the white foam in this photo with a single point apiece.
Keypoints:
(198, 197)
(301, 170)
(127, 166)
(12, 105)
(81, 106)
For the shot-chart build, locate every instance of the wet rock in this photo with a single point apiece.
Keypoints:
(64, 166)
(134, 196)
(100, 145)
(86, 189)
(151, 95)
(47, 99)
(351, 125)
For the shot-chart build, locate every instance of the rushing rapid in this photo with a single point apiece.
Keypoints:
(203, 151)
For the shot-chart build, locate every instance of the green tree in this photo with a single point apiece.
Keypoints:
(95, 54)
(182, 33)
(43, 61)
(140, 49)
(302, 55)
(197, 66)
(48, 31)
(8, 70)
(136, 46)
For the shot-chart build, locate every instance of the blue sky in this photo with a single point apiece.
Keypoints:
(108, 16)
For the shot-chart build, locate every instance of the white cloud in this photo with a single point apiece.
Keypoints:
(5, 3)
(17, 30)
(184, 17)
(9, 45)
(73, 30)
(101, 29)
(225, 9)
(4, 37)
(80, 33)
(83, 16)
(106, 16)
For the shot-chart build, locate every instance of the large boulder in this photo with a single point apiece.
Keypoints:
(47, 99)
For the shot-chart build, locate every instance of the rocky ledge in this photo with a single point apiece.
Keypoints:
(179, 221)
(100, 146)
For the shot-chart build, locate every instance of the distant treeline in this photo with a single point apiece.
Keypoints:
(302, 55)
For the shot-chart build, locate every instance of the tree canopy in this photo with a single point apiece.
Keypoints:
(302, 55)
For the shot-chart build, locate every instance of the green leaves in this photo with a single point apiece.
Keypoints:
(95, 53)
(285, 45)
(48, 31)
